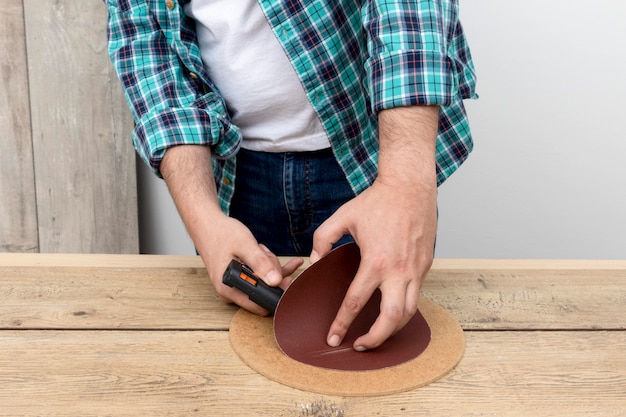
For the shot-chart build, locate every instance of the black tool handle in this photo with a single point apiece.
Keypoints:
(240, 276)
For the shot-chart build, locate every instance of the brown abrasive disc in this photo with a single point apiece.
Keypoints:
(308, 307)
(425, 350)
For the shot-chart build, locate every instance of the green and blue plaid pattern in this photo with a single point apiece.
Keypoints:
(354, 58)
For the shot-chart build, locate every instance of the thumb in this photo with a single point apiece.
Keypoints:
(329, 232)
(265, 264)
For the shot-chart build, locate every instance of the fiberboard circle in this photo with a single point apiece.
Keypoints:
(252, 338)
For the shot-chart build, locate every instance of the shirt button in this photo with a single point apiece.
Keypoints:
(226, 181)
(193, 75)
(169, 4)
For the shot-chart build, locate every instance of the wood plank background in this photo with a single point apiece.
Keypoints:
(68, 168)
(18, 217)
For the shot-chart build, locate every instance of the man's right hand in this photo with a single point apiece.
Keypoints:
(238, 243)
(188, 173)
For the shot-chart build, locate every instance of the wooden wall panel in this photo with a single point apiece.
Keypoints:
(18, 215)
(84, 161)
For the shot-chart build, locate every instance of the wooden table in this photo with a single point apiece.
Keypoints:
(126, 335)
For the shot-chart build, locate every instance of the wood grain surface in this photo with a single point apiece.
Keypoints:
(124, 290)
(533, 297)
(122, 335)
(173, 373)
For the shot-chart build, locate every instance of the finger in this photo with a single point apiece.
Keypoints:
(356, 297)
(264, 264)
(412, 301)
(233, 295)
(288, 269)
(291, 266)
(329, 232)
(393, 316)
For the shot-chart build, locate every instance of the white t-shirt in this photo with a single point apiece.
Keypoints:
(248, 65)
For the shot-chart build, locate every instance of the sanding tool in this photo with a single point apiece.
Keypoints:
(240, 276)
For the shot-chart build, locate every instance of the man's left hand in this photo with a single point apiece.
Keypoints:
(394, 223)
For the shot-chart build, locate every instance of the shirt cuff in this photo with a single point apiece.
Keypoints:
(158, 131)
(411, 78)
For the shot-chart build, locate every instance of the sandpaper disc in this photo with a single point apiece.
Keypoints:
(425, 350)
(308, 308)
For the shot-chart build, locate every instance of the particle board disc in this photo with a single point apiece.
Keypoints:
(252, 338)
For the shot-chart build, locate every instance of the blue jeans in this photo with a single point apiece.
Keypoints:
(283, 197)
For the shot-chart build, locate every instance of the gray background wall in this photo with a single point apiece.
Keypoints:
(547, 178)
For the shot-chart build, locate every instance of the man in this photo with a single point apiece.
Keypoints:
(284, 127)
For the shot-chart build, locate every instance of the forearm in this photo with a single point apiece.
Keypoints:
(408, 137)
(187, 171)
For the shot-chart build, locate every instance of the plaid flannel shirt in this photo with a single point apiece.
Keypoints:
(354, 58)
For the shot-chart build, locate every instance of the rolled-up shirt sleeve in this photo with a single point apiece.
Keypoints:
(164, 83)
(418, 54)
